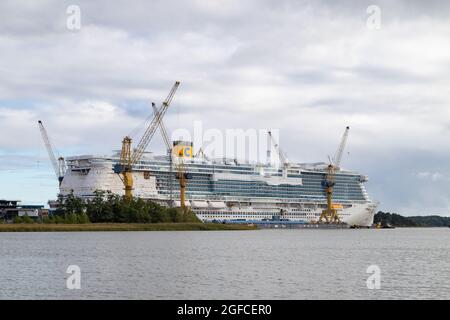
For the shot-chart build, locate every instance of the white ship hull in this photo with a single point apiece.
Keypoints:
(355, 215)
(88, 174)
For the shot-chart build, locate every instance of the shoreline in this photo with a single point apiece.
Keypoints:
(180, 226)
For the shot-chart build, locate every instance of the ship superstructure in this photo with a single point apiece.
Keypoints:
(226, 189)
(219, 189)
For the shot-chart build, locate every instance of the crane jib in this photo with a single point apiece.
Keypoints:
(143, 143)
(162, 128)
(129, 158)
(59, 165)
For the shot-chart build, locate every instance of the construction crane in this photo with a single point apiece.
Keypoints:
(340, 151)
(330, 214)
(166, 139)
(182, 177)
(59, 165)
(129, 157)
(280, 152)
(163, 130)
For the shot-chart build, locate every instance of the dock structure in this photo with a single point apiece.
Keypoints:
(288, 224)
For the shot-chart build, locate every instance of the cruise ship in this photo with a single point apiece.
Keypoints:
(226, 189)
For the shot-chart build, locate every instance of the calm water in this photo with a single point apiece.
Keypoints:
(266, 264)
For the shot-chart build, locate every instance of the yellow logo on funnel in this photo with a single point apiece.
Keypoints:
(182, 151)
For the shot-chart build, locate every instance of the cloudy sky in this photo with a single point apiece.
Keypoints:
(308, 68)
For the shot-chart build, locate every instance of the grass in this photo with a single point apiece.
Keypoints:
(37, 227)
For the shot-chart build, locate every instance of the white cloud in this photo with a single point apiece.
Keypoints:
(433, 176)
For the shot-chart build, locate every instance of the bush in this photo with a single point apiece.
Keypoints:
(191, 217)
(83, 218)
(27, 219)
(18, 220)
(46, 220)
(109, 207)
(58, 219)
(71, 218)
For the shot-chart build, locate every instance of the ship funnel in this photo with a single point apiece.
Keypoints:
(182, 149)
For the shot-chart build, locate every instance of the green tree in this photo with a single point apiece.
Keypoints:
(96, 207)
(393, 219)
(71, 218)
(72, 204)
(175, 214)
(83, 218)
(27, 219)
(18, 219)
(190, 216)
(108, 207)
(58, 219)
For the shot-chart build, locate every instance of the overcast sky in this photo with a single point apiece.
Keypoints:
(308, 68)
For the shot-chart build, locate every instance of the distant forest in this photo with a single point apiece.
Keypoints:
(396, 220)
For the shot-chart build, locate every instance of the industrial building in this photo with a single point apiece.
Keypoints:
(9, 209)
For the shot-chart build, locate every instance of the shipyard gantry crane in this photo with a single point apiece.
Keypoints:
(129, 157)
(59, 165)
(330, 214)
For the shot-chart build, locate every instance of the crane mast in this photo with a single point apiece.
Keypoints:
(126, 166)
(182, 179)
(330, 214)
(59, 164)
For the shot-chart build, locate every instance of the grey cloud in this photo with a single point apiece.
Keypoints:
(306, 67)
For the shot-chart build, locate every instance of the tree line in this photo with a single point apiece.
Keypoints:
(397, 220)
(107, 207)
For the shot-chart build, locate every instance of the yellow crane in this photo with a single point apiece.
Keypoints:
(330, 214)
(182, 149)
(181, 175)
(128, 157)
